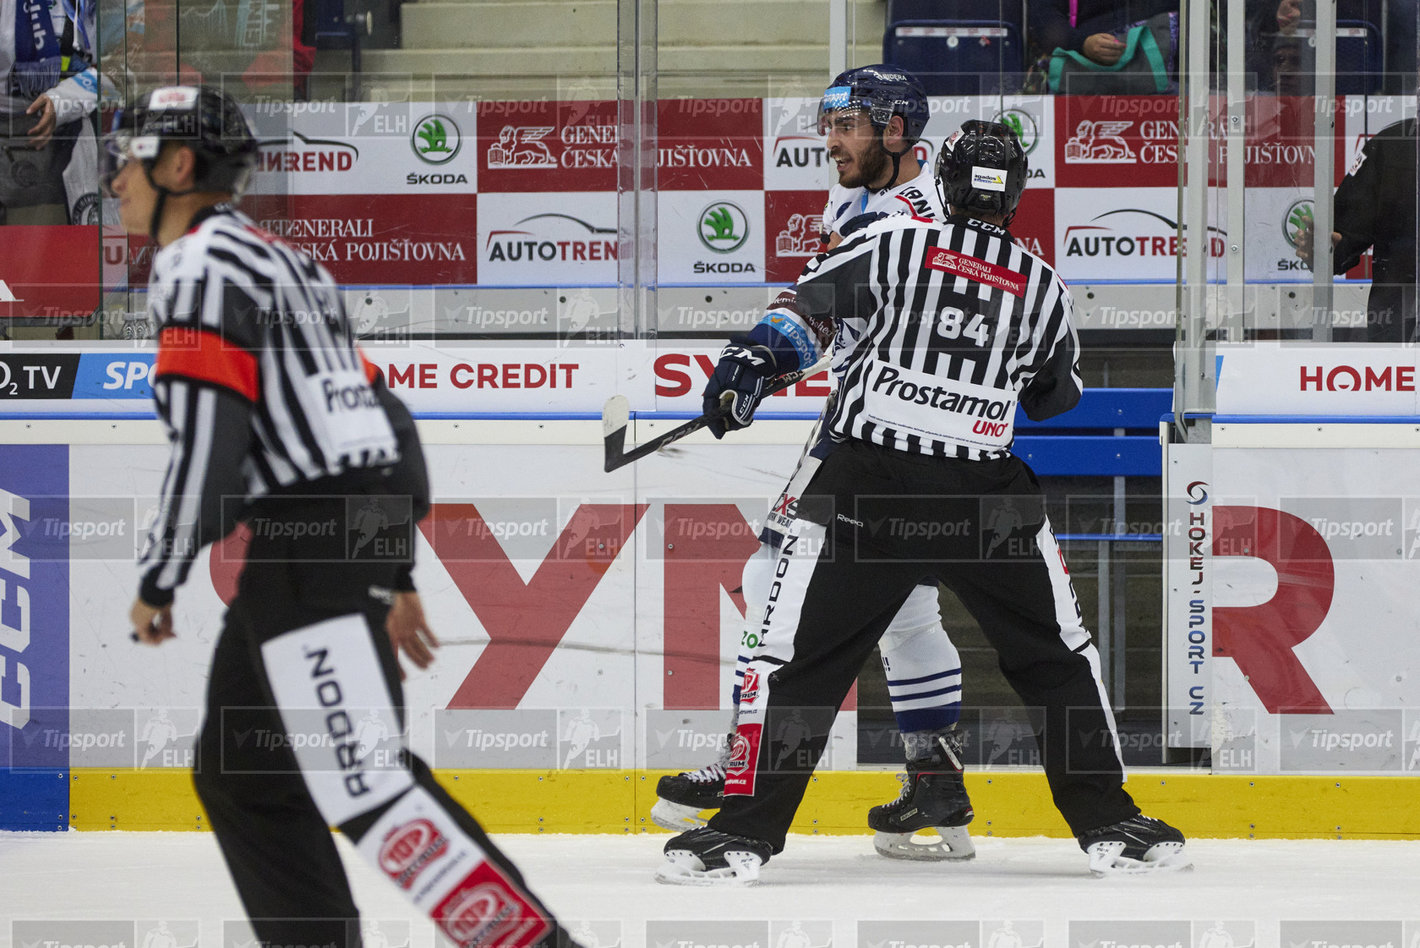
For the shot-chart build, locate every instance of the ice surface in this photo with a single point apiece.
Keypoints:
(1262, 892)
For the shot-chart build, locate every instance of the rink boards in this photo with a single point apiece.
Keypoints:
(589, 622)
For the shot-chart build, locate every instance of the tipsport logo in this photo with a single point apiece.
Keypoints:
(684, 739)
(1352, 740)
(496, 739)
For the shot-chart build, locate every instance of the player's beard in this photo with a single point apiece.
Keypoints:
(870, 166)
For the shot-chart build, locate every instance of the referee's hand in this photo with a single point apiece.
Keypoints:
(409, 631)
(152, 625)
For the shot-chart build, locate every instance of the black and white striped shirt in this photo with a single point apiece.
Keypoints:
(942, 328)
(258, 382)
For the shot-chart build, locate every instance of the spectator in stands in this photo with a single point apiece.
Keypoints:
(1271, 23)
(1375, 208)
(47, 87)
(1289, 75)
(1095, 28)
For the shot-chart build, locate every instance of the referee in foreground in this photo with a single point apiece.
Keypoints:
(277, 421)
(942, 329)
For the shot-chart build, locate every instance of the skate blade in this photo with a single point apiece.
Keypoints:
(676, 817)
(685, 868)
(1106, 859)
(954, 845)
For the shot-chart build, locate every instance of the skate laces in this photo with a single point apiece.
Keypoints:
(710, 773)
(906, 781)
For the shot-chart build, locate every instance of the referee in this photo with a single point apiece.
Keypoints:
(277, 421)
(943, 328)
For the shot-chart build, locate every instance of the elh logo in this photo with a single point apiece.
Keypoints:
(436, 139)
(724, 227)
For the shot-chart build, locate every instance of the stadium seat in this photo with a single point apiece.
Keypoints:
(958, 48)
(1360, 55)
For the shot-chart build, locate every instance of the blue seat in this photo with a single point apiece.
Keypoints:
(960, 47)
(1113, 432)
(1360, 55)
(1360, 58)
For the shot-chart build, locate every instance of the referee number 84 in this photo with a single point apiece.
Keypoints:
(950, 322)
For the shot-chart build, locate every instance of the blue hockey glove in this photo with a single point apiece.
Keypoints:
(743, 370)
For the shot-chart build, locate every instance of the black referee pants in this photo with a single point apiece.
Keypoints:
(872, 524)
(302, 662)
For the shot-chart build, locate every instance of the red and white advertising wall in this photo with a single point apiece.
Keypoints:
(1291, 564)
(588, 620)
(524, 194)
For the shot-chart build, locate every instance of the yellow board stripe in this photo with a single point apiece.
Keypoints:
(1007, 803)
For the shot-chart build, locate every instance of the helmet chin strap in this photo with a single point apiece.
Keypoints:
(896, 157)
(160, 203)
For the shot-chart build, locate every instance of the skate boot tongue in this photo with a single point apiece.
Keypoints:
(680, 799)
(928, 820)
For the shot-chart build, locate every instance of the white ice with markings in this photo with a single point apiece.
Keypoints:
(170, 890)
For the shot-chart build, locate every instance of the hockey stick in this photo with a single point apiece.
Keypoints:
(616, 416)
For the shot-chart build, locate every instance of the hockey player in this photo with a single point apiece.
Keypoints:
(872, 118)
(277, 421)
(943, 328)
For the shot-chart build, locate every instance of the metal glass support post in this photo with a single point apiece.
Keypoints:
(1324, 169)
(837, 37)
(636, 166)
(1235, 134)
(1194, 374)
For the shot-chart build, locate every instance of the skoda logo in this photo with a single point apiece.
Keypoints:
(1023, 124)
(723, 227)
(436, 139)
(1298, 216)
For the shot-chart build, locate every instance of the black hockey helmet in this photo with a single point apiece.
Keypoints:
(205, 119)
(882, 91)
(982, 168)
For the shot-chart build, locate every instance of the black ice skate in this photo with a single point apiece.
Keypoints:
(1138, 844)
(704, 856)
(933, 798)
(682, 798)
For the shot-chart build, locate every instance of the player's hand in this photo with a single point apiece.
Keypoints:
(1103, 48)
(741, 373)
(152, 625)
(409, 631)
(43, 109)
(1304, 242)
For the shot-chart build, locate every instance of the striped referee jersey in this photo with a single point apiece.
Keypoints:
(942, 327)
(258, 382)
